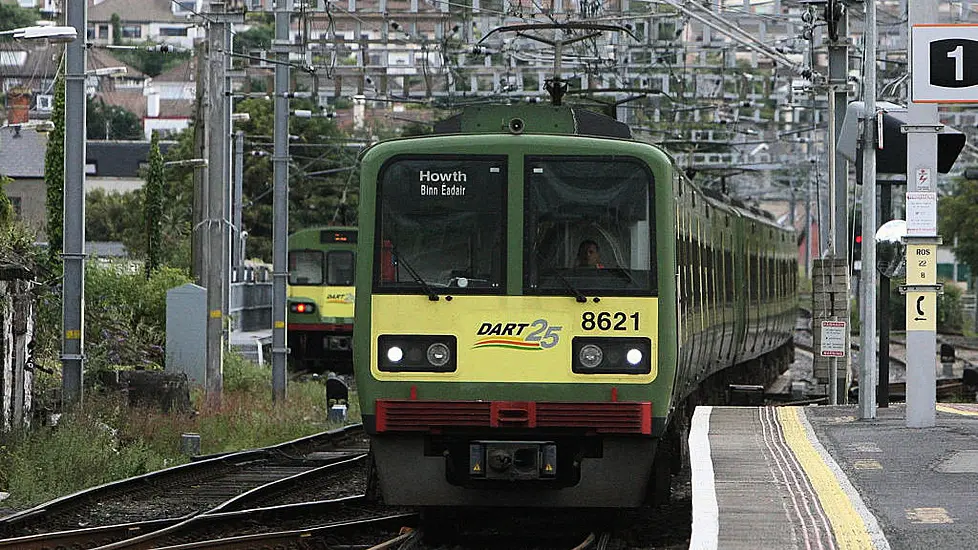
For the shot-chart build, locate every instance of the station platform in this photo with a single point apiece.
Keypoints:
(820, 478)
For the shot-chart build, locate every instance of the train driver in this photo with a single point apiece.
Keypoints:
(589, 254)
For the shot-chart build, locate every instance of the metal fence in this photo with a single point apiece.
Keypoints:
(250, 306)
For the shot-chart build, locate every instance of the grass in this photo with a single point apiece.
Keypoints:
(106, 440)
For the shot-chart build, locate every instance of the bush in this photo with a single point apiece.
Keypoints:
(126, 315)
(82, 451)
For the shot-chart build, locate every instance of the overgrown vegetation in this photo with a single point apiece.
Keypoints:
(153, 206)
(54, 173)
(106, 440)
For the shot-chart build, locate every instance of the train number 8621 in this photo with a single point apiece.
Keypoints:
(607, 320)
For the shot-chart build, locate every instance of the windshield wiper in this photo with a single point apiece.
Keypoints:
(624, 274)
(414, 275)
(578, 295)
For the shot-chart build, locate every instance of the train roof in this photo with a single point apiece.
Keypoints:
(533, 119)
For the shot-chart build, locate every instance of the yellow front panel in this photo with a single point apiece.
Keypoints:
(331, 301)
(514, 338)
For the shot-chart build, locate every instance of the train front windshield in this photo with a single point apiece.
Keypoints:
(442, 224)
(588, 226)
(314, 268)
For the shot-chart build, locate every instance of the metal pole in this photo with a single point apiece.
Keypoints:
(73, 308)
(215, 249)
(867, 333)
(280, 194)
(229, 233)
(838, 177)
(237, 252)
(921, 329)
(838, 69)
(200, 171)
(883, 391)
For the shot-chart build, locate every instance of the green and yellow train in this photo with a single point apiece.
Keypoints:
(322, 263)
(498, 363)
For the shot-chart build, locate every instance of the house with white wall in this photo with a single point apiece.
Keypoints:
(159, 21)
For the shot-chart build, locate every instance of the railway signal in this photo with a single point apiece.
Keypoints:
(891, 139)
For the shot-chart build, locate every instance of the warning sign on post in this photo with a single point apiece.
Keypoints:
(833, 339)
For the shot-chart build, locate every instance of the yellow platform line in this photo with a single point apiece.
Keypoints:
(848, 526)
(955, 410)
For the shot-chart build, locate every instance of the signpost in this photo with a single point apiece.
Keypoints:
(833, 342)
(944, 69)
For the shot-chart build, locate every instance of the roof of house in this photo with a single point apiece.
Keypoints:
(119, 159)
(22, 152)
(99, 58)
(139, 11)
(183, 72)
(131, 100)
(29, 61)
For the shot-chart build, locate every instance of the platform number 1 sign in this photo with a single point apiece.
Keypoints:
(944, 59)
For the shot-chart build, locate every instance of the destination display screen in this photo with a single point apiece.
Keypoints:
(442, 224)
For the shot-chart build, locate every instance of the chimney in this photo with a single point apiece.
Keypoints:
(152, 104)
(18, 106)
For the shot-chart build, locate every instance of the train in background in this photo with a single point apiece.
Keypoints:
(321, 297)
(496, 366)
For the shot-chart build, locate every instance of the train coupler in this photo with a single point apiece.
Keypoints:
(513, 460)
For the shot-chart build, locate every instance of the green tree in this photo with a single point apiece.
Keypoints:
(116, 22)
(111, 122)
(115, 217)
(13, 16)
(958, 219)
(6, 208)
(54, 173)
(151, 62)
(153, 206)
(316, 195)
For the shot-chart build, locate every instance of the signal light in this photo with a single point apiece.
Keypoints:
(859, 239)
(302, 307)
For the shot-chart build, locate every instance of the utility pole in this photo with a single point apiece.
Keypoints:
(867, 317)
(922, 123)
(280, 217)
(73, 306)
(237, 252)
(838, 84)
(200, 171)
(215, 250)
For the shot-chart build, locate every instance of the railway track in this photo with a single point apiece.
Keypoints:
(947, 388)
(156, 500)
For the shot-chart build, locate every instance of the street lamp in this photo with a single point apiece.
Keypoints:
(52, 33)
(41, 126)
(107, 71)
(195, 163)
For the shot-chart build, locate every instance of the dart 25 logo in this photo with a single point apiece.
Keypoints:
(537, 335)
(346, 298)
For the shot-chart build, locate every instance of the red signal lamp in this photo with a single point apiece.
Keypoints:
(302, 307)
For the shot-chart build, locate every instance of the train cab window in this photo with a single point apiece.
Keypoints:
(441, 225)
(339, 268)
(571, 200)
(306, 267)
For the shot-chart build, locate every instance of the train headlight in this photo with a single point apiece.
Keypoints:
(438, 354)
(611, 355)
(590, 356)
(416, 353)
